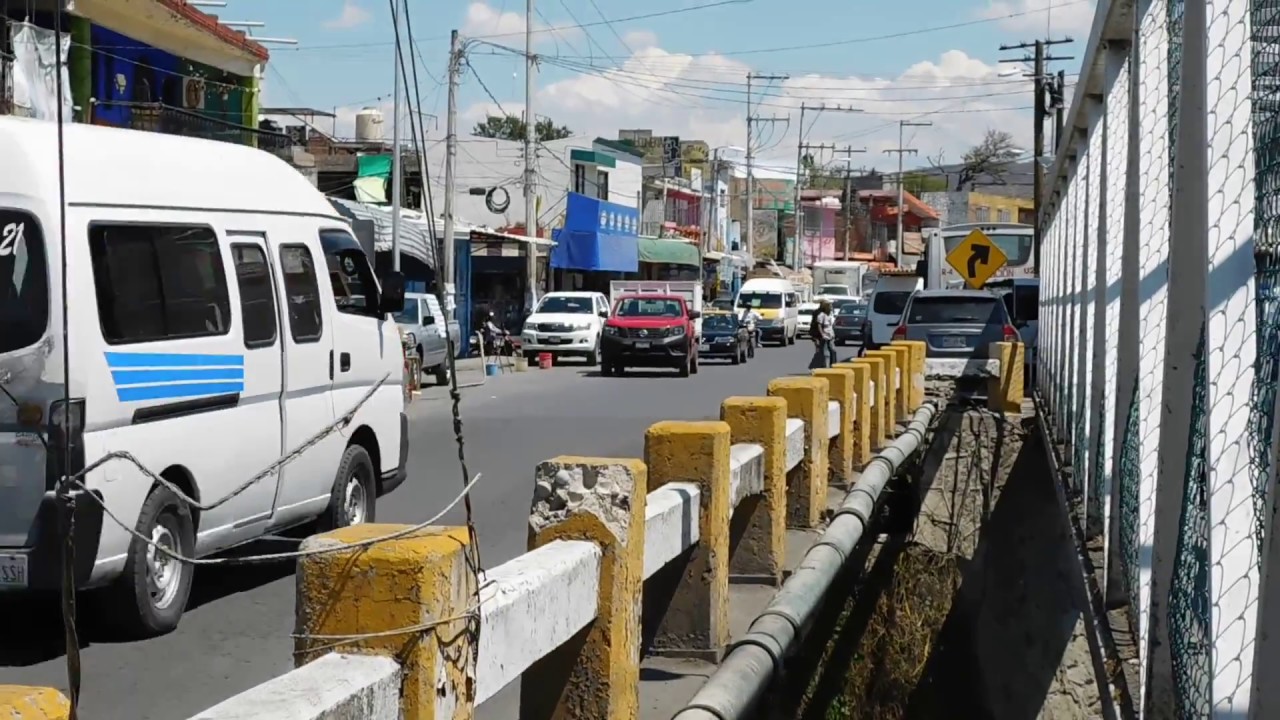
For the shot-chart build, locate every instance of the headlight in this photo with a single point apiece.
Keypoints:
(676, 331)
(610, 330)
(581, 326)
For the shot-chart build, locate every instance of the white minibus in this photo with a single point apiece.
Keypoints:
(219, 315)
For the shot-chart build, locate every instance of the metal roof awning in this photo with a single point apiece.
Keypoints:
(415, 234)
(485, 235)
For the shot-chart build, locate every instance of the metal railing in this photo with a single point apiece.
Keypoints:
(170, 120)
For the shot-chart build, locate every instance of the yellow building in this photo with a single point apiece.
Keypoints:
(987, 207)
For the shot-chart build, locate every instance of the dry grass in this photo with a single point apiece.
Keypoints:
(893, 645)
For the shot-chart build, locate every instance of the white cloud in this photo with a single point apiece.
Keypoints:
(482, 20)
(352, 15)
(1061, 17)
(702, 97)
(640, 39)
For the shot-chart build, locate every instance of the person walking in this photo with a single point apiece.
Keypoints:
(822, 330)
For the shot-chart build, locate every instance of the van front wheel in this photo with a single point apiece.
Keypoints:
(355, 492)
(152, 592)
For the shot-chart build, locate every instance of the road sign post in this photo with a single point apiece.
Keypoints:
(977, 259)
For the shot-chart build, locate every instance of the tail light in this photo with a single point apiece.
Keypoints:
(1010, 335)
(900, 333)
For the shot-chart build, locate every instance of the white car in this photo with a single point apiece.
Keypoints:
(566, 324)
(807, 311)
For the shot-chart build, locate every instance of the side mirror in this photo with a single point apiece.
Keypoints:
(694, 314)
(604, 314)
(428, 321)
(392, 300)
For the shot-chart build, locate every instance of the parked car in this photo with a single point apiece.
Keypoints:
(723, 336)
(849, 320)
(565, 324)
(650, 330)
(423, 322)
(956, 324)
(807, 311)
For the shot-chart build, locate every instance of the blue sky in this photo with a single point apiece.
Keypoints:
(683, 73)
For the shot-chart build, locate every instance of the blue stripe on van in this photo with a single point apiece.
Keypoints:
(171, 360)
(144, 377)
(176, 392)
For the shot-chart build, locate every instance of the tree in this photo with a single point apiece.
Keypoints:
(512, 127)
(987, 161)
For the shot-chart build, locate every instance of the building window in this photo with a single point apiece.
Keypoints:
(602, 185)
(982, 214)
(257, 295)
(580, 179)
(306, 323)
(158, 282)
(1002, 215)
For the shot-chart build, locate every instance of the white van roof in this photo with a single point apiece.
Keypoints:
(113, 166)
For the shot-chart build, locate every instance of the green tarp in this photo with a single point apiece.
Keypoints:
(672, 252)
(373, 166)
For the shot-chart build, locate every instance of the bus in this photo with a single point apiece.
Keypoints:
(1015, 240)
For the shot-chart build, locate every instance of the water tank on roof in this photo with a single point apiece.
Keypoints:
(369, 125)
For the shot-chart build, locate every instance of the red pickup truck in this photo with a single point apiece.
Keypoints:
(650, 331)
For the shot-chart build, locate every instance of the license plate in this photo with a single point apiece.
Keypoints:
(13, 571)
(643, 345)
(954, 342)
(554, 341)
(704, 347)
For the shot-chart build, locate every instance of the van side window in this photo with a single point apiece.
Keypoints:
(257, 297)
(306, 324)
(354, 288)
(158, 282)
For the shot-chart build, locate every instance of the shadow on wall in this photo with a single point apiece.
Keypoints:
(975, 612)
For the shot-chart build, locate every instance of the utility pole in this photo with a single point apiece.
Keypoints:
(1039, 60)
(751, 182)
(800, 148)
(900, 151)
(849, 200)
(530, 173)
(803, 150)
(446, 278)
(397, 176)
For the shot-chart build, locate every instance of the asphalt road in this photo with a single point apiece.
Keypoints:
(235, 633)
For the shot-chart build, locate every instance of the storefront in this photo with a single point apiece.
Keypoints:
(598, 244)
(493, 278)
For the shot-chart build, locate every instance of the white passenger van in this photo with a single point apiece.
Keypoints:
(219, 315)
(778, 303)
(888, 301)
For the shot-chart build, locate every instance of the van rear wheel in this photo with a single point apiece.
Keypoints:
(151, 593)
(355, 492)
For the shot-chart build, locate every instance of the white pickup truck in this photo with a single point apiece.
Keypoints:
(690, 291)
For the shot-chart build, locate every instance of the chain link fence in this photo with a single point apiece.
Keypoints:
(1130, 471)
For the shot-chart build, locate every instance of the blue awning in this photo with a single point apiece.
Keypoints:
(597, 235)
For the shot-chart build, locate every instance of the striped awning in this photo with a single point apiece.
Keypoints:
(415, 234)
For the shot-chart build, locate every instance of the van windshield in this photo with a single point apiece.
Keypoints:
(756, 300)
(24, 289)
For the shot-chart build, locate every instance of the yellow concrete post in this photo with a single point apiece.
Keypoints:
(19, 702)
(807, 484)
(902, 391)
(879, 419)
(890, 392)
(692, 606)
(1005, 391)
(915, 371)
(758, 529)
(602, 501)
(840, 452)
(861, 415)
(411, 598)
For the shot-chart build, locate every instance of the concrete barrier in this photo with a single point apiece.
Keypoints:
(1005, 390)
(902, 363)
(757, 532)
(915, 370)
(879, 421)
(889, 395)
(407, 598)
(334, 686)
(860, 416)
(20, 702)
(807, 399)
(596, 673)
(687, 603)
(840, 452)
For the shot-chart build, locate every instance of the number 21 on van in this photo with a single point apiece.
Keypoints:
(11, 238)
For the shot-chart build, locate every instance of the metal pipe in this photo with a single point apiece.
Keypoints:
(753, 661)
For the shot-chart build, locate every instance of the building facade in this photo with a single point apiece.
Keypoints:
(955, 208)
